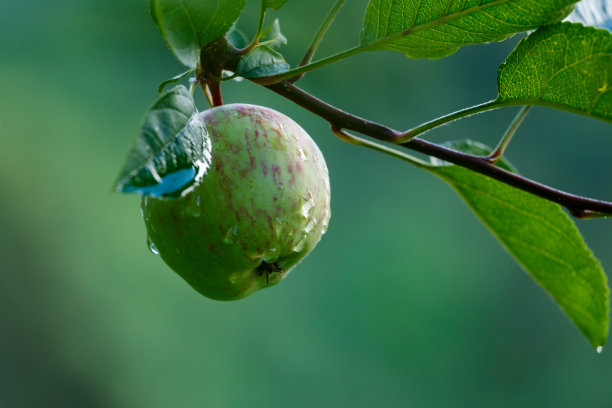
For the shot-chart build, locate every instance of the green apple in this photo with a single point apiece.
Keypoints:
(262, 206)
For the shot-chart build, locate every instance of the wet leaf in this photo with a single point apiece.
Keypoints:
(567, 66)
(260, 62)
(189, 25)
(172, 151)
(463, 22)
(542, 238)
(174, 80)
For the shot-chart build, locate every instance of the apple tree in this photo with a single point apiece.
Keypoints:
(234, 196)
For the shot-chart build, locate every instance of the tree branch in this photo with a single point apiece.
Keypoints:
(581, 207)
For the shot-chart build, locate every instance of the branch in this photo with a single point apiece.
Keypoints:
(581, 207)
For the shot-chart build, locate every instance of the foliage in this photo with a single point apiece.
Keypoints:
(172, 150)
(566, 66)
(541, 237)
(441, 27)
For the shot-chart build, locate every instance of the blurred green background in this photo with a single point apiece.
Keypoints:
(407, 301)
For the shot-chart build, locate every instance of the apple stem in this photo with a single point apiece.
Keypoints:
(215, 90)
(213, 60)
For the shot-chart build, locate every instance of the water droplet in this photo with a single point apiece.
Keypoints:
(299, 245)
(231, 235)
(599, 349)
(141, 213)
(312, 222)
(277, 226)
(308, 204)
(301, 153)
(285, 133)
(194, 209)
(152, 246)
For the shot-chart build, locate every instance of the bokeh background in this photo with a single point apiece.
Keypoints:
(407, 301)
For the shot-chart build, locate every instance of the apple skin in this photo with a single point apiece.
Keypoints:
(262, 206)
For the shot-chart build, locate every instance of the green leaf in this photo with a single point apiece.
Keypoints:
(174, 80)
(189, 25)
(272, 36)
(274, 4)
(542, 238)
(438, 28)
(260, 62)
(172, 150)
(566, 66)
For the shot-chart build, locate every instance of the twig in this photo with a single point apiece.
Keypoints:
(369, 144)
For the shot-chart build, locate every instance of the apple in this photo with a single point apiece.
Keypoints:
(262, 206)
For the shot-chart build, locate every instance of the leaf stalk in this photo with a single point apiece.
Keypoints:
(374, 44)
(260, 23)
(499, 150)
(312, 48)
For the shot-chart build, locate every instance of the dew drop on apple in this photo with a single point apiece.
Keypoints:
(307, 204)
(284, 132)
(301, 153)
(194, 209)
(152, 246)
(299, 245)
(312, 222)
(231, 235)
(277, 227)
